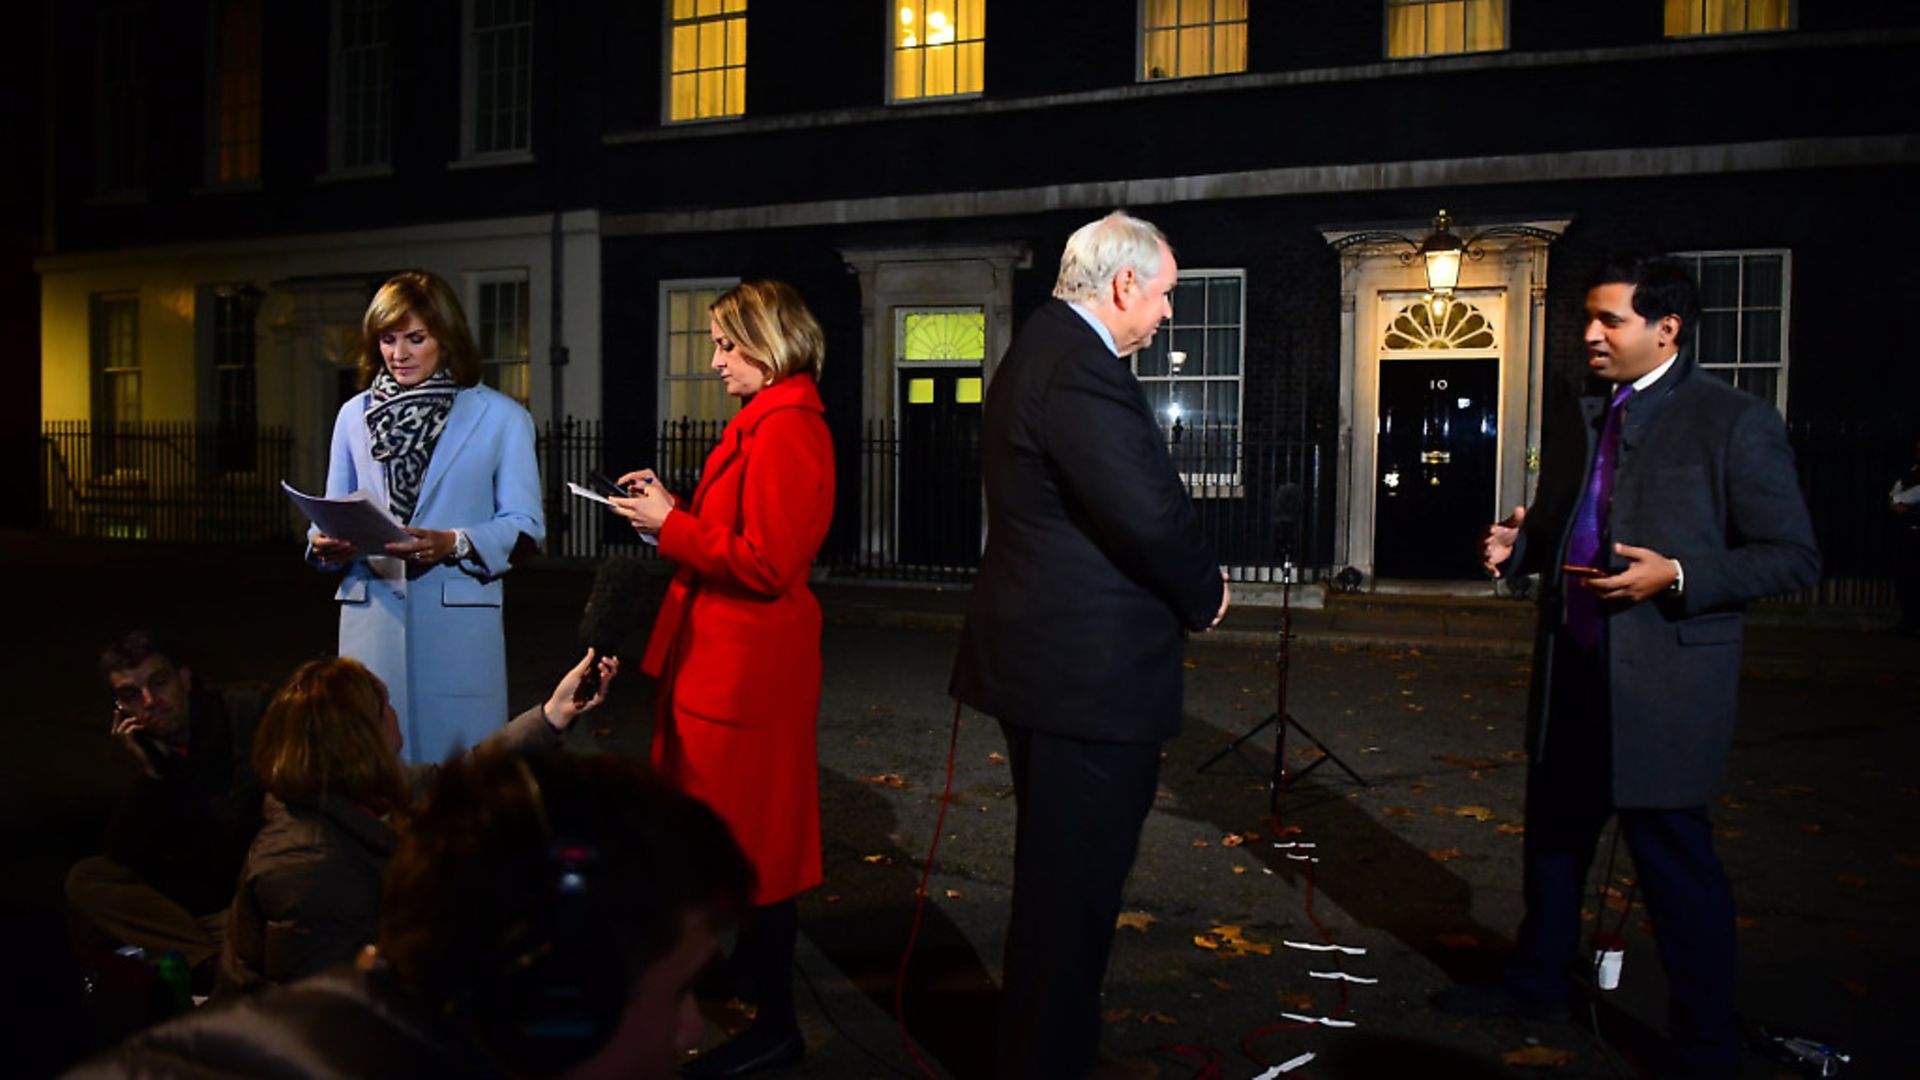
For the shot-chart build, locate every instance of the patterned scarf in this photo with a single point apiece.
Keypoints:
(404, 423)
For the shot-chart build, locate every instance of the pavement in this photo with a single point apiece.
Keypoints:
(1419, 695)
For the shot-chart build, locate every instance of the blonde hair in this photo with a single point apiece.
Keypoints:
(770, 323)
(417, 292)
(322, 736)
(1099, 250)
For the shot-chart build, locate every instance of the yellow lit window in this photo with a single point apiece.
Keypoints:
(1439, 27)
(1686, 18)
(1184, 38)
(939, 48)
(708, 68)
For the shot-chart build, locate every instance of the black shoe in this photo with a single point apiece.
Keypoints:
(1483, 1000)
(749, 1053)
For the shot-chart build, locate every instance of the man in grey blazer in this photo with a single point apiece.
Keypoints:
(1095, 570)
(1666, 505)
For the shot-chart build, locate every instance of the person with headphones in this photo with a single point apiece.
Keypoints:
(544, 915)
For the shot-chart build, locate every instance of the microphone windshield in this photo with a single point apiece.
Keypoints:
(1287, 500)
(619, 586)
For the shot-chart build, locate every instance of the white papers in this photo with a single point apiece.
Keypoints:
(603, 501)
(586, 494)
(358, 519)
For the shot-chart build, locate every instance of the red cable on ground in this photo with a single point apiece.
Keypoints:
(920, 905)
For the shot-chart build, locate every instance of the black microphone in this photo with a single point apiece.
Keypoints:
(619, 585)
(1287, 499)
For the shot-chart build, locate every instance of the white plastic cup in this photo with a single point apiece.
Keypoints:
(1607, 964)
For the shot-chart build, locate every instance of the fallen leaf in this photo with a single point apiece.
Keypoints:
(1477, 813)
(880, 860)
(1537, 1057)
(1205, 942)
(1202, 843)
(602, 732)
(1444, 854)
(1469, 763)
(1157, 1018)
(953, 894)
(1811, 828)
(1855, 880)
(1732, 834)
(892, 780)
(744, 1008)
(1251, 836)
(1232, 840)
(1190, 663)
(880, 710)
(1239, 869)
(1745, 922)
(1296, 1002)
(1476, 774)
(1134, 920)
(1288, 830)
(1458, 941)
(1397, 811)
(996, 757)
(1114, 1016)
(1411, 707)
(1221, 984)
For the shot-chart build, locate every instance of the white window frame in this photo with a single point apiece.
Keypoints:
(120, 104)
(1386, 29)
(1140, 44)
(337, 88)
(216, 60)
(1693, 258)
(661, 364)
(470, 155)
(668, 22)
(1793, 23)
(477, 281)
(893, 50)
(1211, 484)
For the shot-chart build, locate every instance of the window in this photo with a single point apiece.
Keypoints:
(1191, 375)
(939, 48)
(235, 393)
(233, 150)
(1689, 17)
(689, 390)
(503, 334)
(707, 64)
(119, 103)
(116, 371)
(1184, 38)
(362, 130)
(499, 74)
(1742, 336)
(1438, 27)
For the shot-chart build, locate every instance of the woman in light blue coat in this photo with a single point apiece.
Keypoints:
(454, 461)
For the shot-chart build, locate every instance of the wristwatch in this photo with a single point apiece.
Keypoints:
(462, 547)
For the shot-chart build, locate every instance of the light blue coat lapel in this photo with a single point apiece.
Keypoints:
(462, 421)
(373, 475)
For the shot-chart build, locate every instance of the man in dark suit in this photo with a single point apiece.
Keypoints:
(1667, 504)
(1095, 568)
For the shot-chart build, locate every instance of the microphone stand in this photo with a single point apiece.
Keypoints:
(1281, 719)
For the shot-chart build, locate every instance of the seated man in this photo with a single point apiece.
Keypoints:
(189, 809)
(542, 916)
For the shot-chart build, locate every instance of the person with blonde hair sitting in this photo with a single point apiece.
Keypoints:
(328, 756)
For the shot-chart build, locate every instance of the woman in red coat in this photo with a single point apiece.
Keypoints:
(737, 641)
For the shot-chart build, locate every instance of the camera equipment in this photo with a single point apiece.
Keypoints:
(1287, 499)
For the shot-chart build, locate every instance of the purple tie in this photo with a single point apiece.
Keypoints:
(1583, 548)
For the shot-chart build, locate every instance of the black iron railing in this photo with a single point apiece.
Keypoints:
(185, 481)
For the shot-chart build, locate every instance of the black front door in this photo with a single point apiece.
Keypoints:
(1434, 466)
(939, 484)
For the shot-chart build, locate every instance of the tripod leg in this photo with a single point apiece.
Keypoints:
(1328, 754)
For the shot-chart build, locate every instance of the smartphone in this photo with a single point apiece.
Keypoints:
(1581, 571)
(606, 485)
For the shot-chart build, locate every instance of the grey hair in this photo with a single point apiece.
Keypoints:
(1101, 249)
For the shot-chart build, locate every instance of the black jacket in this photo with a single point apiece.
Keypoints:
(1705, 476)
(1095, 564)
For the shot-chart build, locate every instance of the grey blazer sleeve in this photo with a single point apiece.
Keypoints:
(1770, 545)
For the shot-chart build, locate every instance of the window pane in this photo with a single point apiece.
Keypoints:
(1762, 382)
(1763, 281)
(708, 56)
(1223, 301)
(1720, 282)
(1717, 329)
(1223, 351)
(1760, 337)
(938, 48)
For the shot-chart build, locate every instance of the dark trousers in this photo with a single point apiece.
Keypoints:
(1079, 808)
(1569, 799)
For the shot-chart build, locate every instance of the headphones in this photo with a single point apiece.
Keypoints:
(558, 994)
